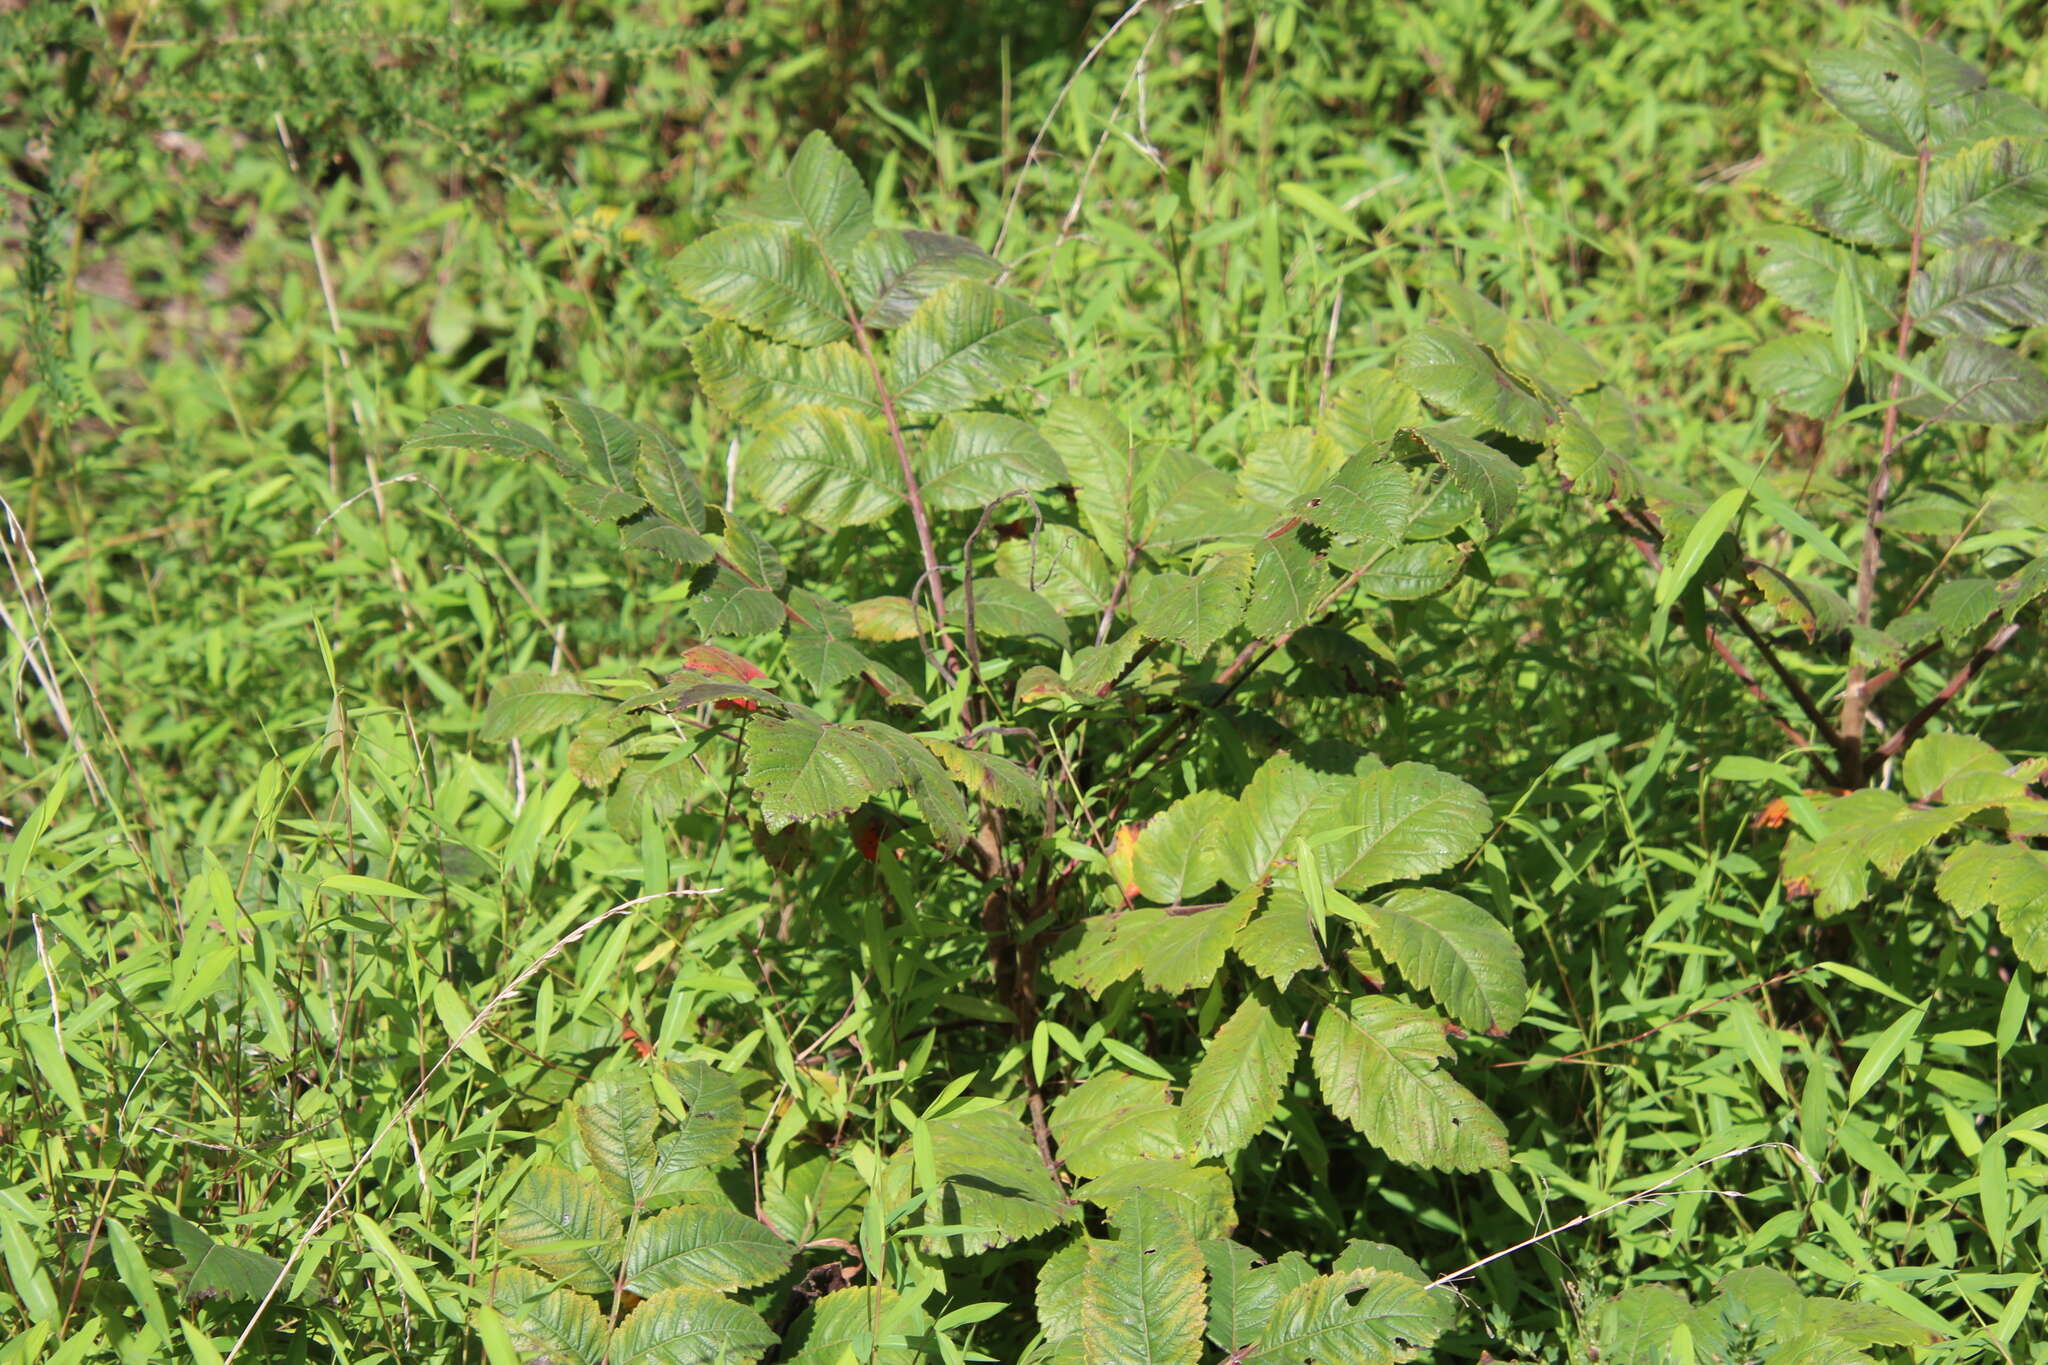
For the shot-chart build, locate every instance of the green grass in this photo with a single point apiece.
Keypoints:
(250, 642)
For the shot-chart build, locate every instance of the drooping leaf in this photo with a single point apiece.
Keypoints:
(973, 458)
(764, 277)
(831, 467)
(1003, 610)
(966, 342)
(1455, 374)
(938, 797)
(472, 428)
(992, 1182)
(528, 704)
(209, 1268)
(1981, 288)
(1461, 955)
(1174, 952)
(1143, 1300)
(992, 777)
(1405, 573)
(727, 604)
(1542, 351)
(1489, 477)
(758, 381)
(690, 1327)
(1237, 1086)
(546, 1321)
(1376, 1061)
(1061, 565)
(1953, 767)
(1112, 1118)
(1358, 1317)
(561, 1223)
(2019, 888)
(702, 1246)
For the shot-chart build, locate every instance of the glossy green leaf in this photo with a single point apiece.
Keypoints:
(690, 1327)
(1143, 1299)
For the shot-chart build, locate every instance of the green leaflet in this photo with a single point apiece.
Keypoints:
(208, 1268)
(803, 768)
(1799, 269)
(758, 381)
(1981, 288)
(1803, 373)
(561, 1222)
(1358, 1317)
(1242, 1292)
(547, 1321)
(1977, 381)
(1193, 611)
(1850, 188)
(764, 277)
(1456, 375)
(1483, 473)
(1456, 951)
(820, 197)
(893, 272)
(1112, 485)
(829, 466)
(1997, 188)
(965, 343)
(1406, 821)
(974, 458)
(1376, 1061)
(1112, 1118)
(1061, 565)
(615, 1121)
(1143, 1300)
(993, 1184)
(1176, 854)
(690, 1327)
(858, 1321)
(702, 1247)
(1237, 1086)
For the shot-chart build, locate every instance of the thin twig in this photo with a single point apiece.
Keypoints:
(1641, 1196)
(1918, 721)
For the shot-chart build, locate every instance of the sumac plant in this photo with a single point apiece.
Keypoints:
(1860, 593)
(1011, 690)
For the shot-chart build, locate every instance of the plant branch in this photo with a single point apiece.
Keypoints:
(1918, 721)
(1856, 696)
